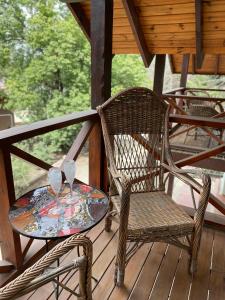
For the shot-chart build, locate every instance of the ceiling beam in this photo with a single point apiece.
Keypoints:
(78, 13)
(137, 31)
(199, 33)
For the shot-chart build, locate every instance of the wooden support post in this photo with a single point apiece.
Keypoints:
(184, 72)
(159, 73)
(10, 241)
(101, 67)
(184, 75)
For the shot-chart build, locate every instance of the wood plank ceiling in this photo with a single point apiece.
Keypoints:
(174, 27)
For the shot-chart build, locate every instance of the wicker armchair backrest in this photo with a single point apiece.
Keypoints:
(133, 129)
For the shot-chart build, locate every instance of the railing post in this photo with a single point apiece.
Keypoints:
(10, 240)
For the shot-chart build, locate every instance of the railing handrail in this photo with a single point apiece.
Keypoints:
(19, 133)
(196, 120)
(190, 98)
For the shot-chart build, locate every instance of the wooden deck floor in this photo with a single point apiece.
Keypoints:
(157, 271)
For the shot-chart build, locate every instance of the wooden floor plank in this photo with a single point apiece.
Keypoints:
(132, 271)
(106, 285)
(162, 286)
(99, 246)
(148, 274)
(48, 288)
(217, 286)
(151, 272)
(218, 260)
(200, 284)
(182, 279)
(217, 277)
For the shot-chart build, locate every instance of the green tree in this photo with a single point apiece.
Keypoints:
(46, 64)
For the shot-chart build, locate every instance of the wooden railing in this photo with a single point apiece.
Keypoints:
(12, 253)
(203, 158)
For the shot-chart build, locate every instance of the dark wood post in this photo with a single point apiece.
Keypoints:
(10, 241)
(184, 70)
(184, 76)
(101, 67)
(160, 61)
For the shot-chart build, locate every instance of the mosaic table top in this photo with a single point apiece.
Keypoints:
(37, 213)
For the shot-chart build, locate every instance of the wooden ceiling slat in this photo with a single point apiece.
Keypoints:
(169, 26)
(137, 31)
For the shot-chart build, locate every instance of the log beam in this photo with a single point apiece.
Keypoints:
(137, 31)
(159, 73)
(101, 72)
(79, 14)
(184, 72)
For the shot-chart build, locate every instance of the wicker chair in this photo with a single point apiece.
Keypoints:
(203, 108)
(135, 124)
(39, 274)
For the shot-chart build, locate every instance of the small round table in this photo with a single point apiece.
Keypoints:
(36, 214)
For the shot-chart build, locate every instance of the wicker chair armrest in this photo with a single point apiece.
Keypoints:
(30, 276)
(183, 174)
(122, 182)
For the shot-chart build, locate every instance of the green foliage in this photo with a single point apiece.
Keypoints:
(128, 71)
(45, 65)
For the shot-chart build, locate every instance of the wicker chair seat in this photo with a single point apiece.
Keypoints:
(202, 110)
(155, 214)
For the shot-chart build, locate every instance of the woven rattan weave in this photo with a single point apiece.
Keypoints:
(135, 130)
(36, 276)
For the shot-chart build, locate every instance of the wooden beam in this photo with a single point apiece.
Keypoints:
(159, 73)
(184, 71)
(80, 140)
(23, 132)
(200, 156)
(101, 50)
(137, 31)
(212, 163)
(101, 72)
(10, 240)
(199, 33)
(170, 58)
(199, 121)
(79, 14)
(29, 158)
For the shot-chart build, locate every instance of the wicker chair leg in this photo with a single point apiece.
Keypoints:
(108, 220)
(194, 253)
(84, 283)
(121, 263)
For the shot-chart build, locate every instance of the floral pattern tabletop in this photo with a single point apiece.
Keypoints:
(37, 214)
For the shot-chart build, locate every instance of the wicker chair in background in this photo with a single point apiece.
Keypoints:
(203, 108)
(39, 274)
(134, 124)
